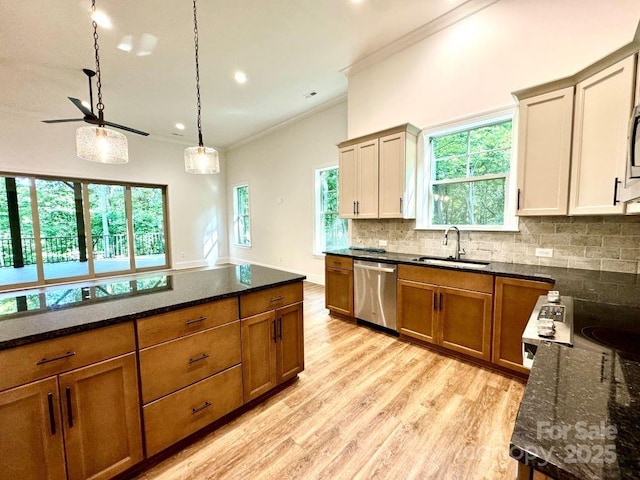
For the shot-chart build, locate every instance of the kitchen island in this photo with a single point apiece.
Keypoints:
(98, 377)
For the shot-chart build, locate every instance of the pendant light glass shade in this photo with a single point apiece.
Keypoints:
(102, 145)
(201, 160)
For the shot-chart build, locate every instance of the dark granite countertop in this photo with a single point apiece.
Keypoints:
(614, 288)
(580, 414)
(29, 316)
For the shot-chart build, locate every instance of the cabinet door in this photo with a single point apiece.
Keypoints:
(603, 107)
(392, 172)
(367, 201)
(465, 321)
(339, 290)
(101, 414)
(31, 444)
(416, 310)
(259, 336)
(513, 302)
(544, 153)
(348, 184)
(290, 347)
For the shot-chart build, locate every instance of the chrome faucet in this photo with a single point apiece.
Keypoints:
(459, 251)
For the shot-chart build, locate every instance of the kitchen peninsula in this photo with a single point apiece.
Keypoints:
(155, 357)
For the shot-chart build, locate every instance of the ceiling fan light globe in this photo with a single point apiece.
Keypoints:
(201, 160)
(101, 145)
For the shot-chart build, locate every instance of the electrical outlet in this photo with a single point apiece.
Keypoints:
(182, 255)
(544, 252)
(382, 243)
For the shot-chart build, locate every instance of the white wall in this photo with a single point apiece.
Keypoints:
(279, 169)
(197, 203)
(474, 65)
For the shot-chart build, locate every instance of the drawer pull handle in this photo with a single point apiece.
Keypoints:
(200, 408)
(276, 299)
(198, 359)
(53, 359)
(69, 408)
(52, 418)
(195, 320)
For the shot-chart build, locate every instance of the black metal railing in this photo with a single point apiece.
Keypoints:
(66, 249)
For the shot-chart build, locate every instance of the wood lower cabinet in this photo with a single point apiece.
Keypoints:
(83, 420)
(339, 285)
(259, 340)
(101, 415)
(31, 438)
(188, 410)
(444, 314)
(416, 312)
(513, 303)
(465, 321)
(272, 348)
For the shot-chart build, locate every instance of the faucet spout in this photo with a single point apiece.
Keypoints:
(459, 251)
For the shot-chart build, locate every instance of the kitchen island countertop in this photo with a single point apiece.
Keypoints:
(39, 314)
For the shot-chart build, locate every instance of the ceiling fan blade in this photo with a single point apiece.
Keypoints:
(64, 120)
(82, 108)
(128, 129)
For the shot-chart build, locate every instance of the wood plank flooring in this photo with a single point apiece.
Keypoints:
(368, 406)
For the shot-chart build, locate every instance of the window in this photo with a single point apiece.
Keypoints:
(468, 177)
(242, 222)
(54, 229)
(330, 230)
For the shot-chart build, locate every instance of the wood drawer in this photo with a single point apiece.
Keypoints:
(188, 410)
(172, 365)
(43, 359)
(479, 282)
(333, 261)
(270, 299)
(161, 328)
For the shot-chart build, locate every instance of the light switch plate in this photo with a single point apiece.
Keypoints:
(544, 252)
(382, 243)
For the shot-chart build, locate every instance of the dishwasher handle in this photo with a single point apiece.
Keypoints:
(375, 269)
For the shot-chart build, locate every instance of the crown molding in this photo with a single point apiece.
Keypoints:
(462, 11)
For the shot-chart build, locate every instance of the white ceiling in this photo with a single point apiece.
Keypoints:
(286, 47)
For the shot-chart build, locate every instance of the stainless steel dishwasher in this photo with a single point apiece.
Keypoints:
(375, 293)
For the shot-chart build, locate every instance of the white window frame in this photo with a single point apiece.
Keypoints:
(319, 236)
(236, 216)
(423, 208)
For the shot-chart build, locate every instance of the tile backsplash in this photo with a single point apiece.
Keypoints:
(608, 243)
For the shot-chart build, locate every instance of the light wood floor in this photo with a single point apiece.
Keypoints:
(367, 406)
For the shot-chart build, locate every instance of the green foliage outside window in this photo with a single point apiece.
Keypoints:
(243, 222)
(469, 172)
(332, 228)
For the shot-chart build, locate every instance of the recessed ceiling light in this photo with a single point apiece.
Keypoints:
(102, 19)
(180, 126)
(126, 44)
(240, 77)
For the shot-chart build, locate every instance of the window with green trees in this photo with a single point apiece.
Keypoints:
(330, 230)
(469, 176)
(242, 220)
(57, 228)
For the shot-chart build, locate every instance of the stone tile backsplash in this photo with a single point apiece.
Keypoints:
(609, 243)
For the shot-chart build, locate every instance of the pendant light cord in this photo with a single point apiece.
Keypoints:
(195, 39)
(99, 105)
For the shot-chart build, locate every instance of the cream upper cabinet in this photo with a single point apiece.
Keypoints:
(397, 164)
(603, 105)
(544, 153)
(358, 185)
(378, 174)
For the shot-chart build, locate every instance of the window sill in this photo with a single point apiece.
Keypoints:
(472, 228)
(246, 247)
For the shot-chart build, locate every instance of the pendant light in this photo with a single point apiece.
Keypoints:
(96, 143)
(200, 159)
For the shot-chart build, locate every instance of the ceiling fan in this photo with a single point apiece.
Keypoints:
(91, 117)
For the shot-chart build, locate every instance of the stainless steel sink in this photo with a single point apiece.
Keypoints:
(452, 262)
